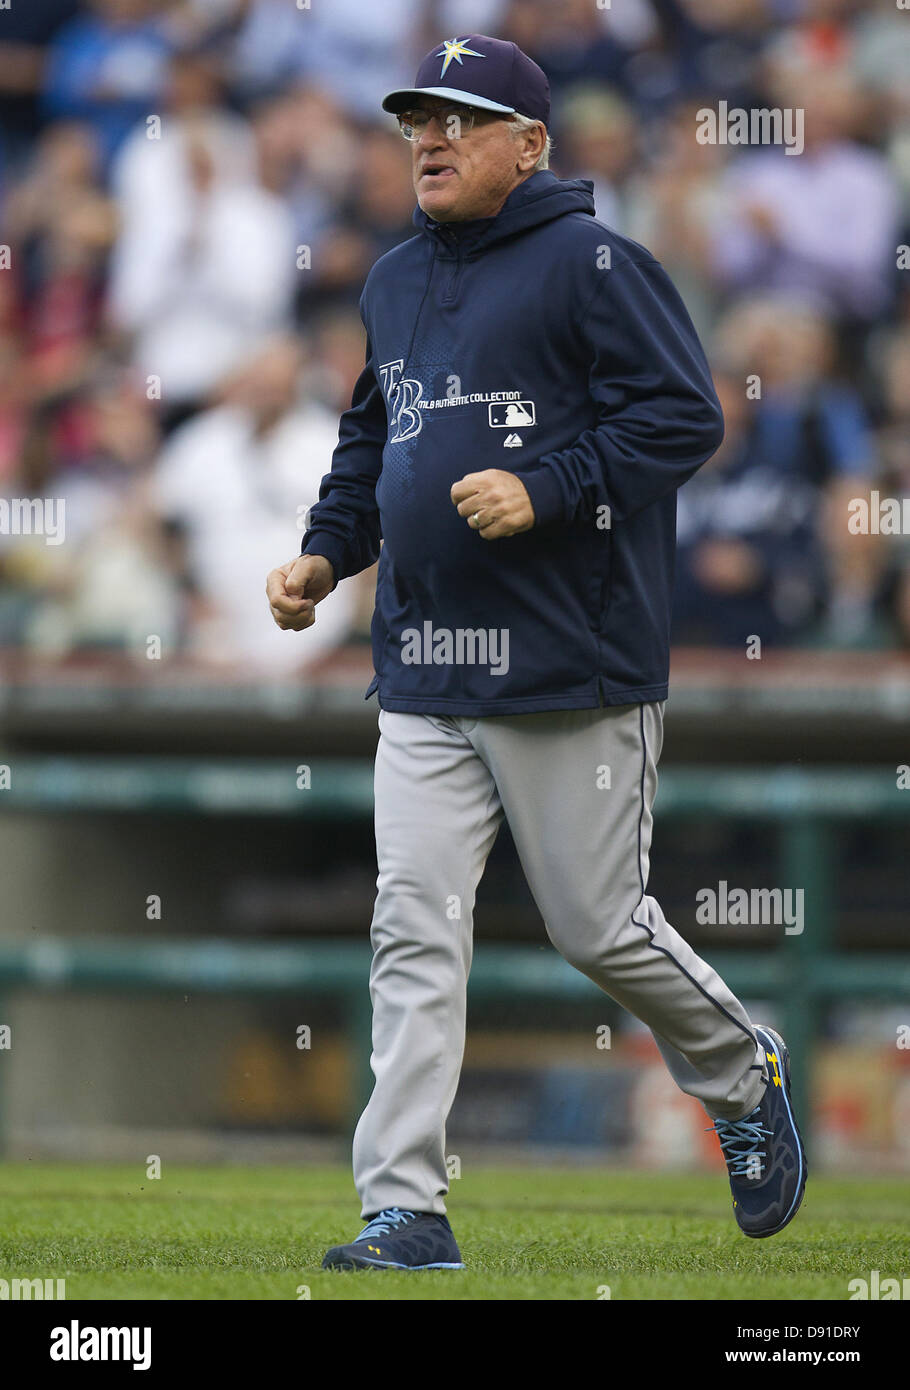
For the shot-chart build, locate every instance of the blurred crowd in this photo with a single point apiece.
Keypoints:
(192, 194)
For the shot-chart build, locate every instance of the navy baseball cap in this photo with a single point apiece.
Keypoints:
(479, 71)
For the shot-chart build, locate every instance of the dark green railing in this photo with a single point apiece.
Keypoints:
(801, 973)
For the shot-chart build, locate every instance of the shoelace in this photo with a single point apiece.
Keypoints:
(740, 1140)
(386, 1221)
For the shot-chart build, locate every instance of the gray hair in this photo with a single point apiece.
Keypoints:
(521, 123)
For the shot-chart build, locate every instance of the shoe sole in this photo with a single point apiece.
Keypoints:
(783, 1065)
(362, 1263)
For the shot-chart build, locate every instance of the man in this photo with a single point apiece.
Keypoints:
(521, 630)
(229, 477)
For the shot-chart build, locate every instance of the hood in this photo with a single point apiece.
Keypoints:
(541, 198)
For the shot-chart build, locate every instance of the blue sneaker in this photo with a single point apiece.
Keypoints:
(396, 1239)
(765, 1157)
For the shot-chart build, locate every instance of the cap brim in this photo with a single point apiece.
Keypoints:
(400, 101)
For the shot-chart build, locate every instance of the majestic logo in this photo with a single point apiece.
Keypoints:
(454, 48)
(512, 441)
(405, 397)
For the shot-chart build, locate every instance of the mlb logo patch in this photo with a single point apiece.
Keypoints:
(510, 415)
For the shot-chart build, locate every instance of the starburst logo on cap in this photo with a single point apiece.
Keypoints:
(454, 48)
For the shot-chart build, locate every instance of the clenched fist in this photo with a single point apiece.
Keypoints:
(294, 590)
(495, 502)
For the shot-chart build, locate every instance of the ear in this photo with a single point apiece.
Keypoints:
(534, 142)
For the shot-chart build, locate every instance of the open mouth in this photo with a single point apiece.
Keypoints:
(437, 171)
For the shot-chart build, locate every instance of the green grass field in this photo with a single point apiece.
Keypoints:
(260, 1233)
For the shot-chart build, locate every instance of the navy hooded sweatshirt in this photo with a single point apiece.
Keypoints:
(541, 342)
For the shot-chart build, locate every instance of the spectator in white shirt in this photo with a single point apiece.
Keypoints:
(235, 481)
(205, 267)
(822, 223)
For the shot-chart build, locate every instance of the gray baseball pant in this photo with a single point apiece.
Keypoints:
(442, 786)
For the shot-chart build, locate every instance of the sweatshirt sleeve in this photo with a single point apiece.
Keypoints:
(659, 418)
(344, 523)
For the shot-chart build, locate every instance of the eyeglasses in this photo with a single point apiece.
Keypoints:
(455, 121)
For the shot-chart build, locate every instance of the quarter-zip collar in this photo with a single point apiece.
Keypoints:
(541, 198)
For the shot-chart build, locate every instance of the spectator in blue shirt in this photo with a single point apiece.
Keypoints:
(108, 68)
(763, 542)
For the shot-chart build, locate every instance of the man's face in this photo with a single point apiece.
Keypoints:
(462, 174)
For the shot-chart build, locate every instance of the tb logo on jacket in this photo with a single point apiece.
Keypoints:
(405, 396)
